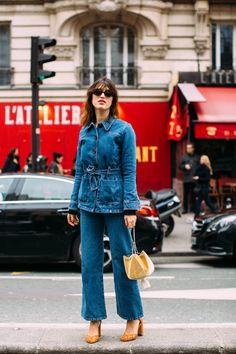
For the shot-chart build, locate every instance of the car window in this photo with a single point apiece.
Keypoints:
(45, 188)
(5, 184)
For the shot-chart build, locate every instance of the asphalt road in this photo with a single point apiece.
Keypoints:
(184, 290)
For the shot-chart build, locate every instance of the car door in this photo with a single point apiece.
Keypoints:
(7, 192)
(33, 223)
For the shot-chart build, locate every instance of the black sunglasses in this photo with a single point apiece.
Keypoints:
(107, 93)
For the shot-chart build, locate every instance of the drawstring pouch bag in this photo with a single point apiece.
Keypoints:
(138, 266)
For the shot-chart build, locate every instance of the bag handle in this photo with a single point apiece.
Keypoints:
(134, 246)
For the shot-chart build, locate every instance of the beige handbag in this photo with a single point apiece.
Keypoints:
(138, 266)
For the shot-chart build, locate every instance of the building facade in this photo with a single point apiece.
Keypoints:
(143, 46)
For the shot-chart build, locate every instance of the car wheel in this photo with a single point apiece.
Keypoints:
(107, 254)
(168, 225)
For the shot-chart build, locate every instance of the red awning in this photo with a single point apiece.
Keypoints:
(216, 116)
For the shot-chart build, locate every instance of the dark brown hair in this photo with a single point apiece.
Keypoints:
(89, 112)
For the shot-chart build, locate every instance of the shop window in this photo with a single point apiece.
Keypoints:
(5, 70)
(110, 51)
(222, 46)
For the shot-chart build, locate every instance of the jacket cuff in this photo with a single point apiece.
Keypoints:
(129, 212)
(74, 212)
(130, 204)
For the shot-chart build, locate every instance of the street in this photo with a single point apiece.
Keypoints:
(187, 290)
(193, 293)
(189, 308)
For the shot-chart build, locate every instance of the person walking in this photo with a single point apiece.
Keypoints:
(28, 166)
(104, 194)
(55, 166)
(12, 161)
(202, 178)
(188, 165)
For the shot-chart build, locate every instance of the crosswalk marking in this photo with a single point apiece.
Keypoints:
(61, 278)
(114, 326)
(196, 294)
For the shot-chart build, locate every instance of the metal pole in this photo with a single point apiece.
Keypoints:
(35, 126)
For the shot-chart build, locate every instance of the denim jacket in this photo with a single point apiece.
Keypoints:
(105, 177)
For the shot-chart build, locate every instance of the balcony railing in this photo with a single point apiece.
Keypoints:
(6, 76)
(122, 76)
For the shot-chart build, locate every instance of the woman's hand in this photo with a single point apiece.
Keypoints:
(72, 219)
(196, 177)
(130, 220)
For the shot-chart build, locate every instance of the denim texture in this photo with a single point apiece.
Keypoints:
(128, 300)
(105, 178)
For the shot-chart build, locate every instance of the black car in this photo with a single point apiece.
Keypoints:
(33, 223)
(215, 234)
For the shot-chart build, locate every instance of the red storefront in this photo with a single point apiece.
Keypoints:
(60, 126)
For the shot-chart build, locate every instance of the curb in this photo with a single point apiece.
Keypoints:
(176, 254)
(161, 341)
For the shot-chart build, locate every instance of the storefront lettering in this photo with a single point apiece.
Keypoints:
(48, 115)
(220, 77)
(146, 153)
(211, 131)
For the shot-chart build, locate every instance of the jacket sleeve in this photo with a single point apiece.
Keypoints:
(128, 167)
(73, 205)
(183, 163)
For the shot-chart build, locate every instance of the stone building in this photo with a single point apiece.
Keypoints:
(144, 46)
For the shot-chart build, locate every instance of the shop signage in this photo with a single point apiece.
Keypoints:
(60, 126)
(215, 131)
(210, 78)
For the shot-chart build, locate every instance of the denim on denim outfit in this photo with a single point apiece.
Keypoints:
(105, 187)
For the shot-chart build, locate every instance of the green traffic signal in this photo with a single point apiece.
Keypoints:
(38, 58)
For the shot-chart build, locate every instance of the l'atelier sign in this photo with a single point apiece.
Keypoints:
(210, 78)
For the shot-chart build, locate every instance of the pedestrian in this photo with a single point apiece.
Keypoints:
(188, 165)
(72, 173)
(202, 187)
(55, 166)
(12, 161)
(28, 166)
(105, 194)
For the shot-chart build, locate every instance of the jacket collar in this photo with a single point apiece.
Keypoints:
(107, 123)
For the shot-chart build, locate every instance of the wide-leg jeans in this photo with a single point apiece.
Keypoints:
(128, 299)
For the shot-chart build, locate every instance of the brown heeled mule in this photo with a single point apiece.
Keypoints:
(126, 337)
(93, 339)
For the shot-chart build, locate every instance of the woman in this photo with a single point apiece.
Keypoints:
(55, 166)
(12, 162)
(105, 193)
(28, 166)
(202, 178)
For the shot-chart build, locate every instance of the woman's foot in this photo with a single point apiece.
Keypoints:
(94, 332)
(134, 328)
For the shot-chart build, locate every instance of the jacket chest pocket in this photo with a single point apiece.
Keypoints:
(110, 190)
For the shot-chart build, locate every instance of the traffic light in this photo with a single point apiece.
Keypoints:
(38, 58)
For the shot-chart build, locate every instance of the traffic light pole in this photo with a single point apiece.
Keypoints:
(35, 126)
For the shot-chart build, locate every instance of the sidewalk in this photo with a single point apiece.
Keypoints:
(178, 243)
(163, 340)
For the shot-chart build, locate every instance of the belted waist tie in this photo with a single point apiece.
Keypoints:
(94, 172)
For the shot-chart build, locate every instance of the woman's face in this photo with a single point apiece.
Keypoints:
(60, 159)
(16, 153)
(102, 98)
(202, 161)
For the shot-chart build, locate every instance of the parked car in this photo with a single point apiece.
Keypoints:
(167, 204)
(215, 234)
(33, 223)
